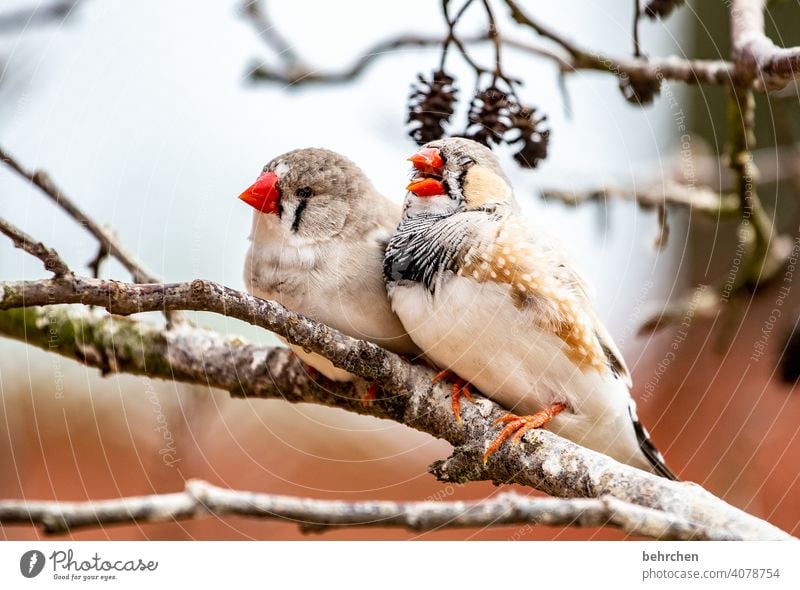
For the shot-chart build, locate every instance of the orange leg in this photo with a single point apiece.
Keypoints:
(461, 388)
(372, 393)
(519, 425)
(310, 371)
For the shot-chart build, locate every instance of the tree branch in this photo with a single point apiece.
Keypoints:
(543, 461)
(270, 34)
(106, 238)
(36, 15)
(758, 60)
(307, 75)
(700, 199)
(759, 64)
(295, 72)
(201, 499)
(49, 257)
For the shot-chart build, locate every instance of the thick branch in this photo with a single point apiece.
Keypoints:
(758, 59)
(543, 461)
(106, 238)
(49, 257)
(201, 499)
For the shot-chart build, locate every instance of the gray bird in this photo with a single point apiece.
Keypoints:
(316, 246)
(495, 300)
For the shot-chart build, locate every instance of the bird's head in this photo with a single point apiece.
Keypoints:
(308, 194)
(456, 174)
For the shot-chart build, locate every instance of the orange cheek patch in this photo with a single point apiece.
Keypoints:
(482, 186)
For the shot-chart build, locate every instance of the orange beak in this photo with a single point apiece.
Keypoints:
(426, 187)
(263, 194)
(428, 160)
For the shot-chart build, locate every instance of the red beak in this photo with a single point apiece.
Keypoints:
(426, 187)
(428, 160)
(263, 194)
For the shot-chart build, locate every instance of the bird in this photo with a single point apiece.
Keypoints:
(317, 241)
(494, 299)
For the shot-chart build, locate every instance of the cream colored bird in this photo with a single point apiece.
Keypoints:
(316, 246)
(492, 298)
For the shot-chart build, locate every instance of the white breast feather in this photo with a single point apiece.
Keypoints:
(475, 330)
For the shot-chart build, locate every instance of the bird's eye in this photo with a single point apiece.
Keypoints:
(304, 192)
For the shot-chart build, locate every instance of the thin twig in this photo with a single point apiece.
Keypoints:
(494, 34)
(543, 30)
(42, 180)
(49, 257)
(200, 499)
(270, 34)
(637, 15)
(702, 200)
(718, 72)
(263, 72)
(451, 34)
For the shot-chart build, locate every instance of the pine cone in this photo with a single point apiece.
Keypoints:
(489, 116)
(532, 136)
(640, 91)
(430, 106)
(661, 8)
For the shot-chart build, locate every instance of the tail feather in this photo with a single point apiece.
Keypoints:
(649, 449)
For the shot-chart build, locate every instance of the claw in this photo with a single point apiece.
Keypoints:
(461, 388)
(370, 395)
(520, 425)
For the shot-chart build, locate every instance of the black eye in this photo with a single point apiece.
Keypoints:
(304, 192)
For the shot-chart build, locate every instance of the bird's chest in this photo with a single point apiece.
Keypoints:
(477, 331)
(287, 275)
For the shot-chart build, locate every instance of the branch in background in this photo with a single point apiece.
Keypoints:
(296, 76)
(703, 200)
(765, 253)
(761, 254)
(637, 15)
(661, 8)
(758, 60)
(543, 460)
(49, 257)
(296, 72)
(669, 68)
(691, 189)
(106, 238)
(201, 500)
(36, 15)
(270, 34)
(759, 64)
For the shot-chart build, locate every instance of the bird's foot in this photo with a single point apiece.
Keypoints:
(311, 371)
(461, 388)
(519, 425)
(370, 395)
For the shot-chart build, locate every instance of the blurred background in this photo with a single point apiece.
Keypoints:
(145, 114)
